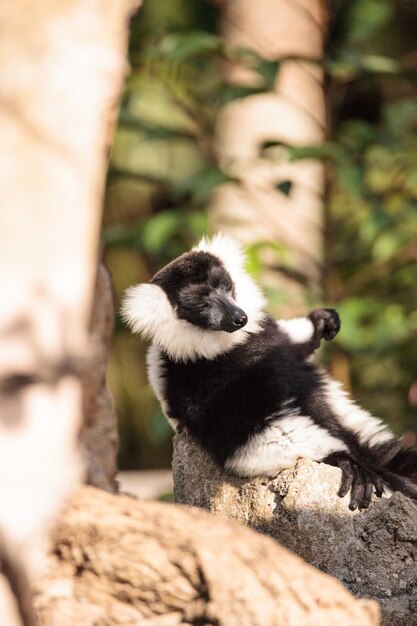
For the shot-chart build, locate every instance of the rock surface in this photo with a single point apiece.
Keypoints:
(374, 552)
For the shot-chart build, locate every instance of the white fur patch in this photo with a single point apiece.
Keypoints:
(156, 379)
(147, 310)
(299, 329)
(369, 429)
(281, 444)
(225, 248)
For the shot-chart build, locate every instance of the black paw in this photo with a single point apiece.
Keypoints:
(360, 480)
(326, 323)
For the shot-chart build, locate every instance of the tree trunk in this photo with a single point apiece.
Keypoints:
(99, 429)
(293, 113)
(62, 67)
(117, 560)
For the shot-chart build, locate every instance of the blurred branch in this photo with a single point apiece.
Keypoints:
(154, 131)
(117, 172)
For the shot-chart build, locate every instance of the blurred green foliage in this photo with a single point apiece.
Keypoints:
(371, 267)
(163, 171)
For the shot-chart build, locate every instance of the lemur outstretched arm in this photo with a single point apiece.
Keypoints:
(307, 332)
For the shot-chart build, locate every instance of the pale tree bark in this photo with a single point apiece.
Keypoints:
(62, 67)
(293, 113)
(117, 560)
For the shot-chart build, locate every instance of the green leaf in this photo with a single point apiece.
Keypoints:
(351, 176)
(320, 151)
(284, 187)
(368, 16)
(228, 93)
(356, 314)
(373, 225)
(202, 184)
(356, 135)
(159, 427)
(386, 246)
(197, 223)
(412, 182)
(348, 64)
(401, 116)
(266, 145)
(184, 46)
(159, 229)
(121, 235)
(268, 71)
(153, 132)
(254, 261)
(378, 64)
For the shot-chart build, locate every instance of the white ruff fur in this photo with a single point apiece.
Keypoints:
(147, 310)
(281, 444)
(369, 429)
(299, 329)
(153, 360)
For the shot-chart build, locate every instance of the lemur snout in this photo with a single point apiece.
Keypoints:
(233, 317)
(240, 319)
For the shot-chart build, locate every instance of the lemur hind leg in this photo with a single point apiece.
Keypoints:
(375, 457)
(371, 446)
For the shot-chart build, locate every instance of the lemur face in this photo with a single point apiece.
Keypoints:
(202, 292)
(200, 305)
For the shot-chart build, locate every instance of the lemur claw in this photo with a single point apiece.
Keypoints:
(360, 480)
(326, 323)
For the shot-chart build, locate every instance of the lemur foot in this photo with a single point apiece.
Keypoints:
(326, 323)
(360, 480)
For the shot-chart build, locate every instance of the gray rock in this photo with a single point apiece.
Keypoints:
(373, 552)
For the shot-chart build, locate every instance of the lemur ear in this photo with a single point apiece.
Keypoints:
(145, 308)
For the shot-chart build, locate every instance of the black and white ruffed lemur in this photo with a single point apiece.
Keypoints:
(244, 385)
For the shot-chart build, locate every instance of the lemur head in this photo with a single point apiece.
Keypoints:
(199, 305)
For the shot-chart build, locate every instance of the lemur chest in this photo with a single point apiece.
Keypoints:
(252, 382)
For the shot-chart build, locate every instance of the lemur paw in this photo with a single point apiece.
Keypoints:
(326, 323)
(360, 480)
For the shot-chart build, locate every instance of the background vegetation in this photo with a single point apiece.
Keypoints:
(164, 171)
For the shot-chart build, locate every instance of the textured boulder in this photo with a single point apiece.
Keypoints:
(373, 552)
(117, 561)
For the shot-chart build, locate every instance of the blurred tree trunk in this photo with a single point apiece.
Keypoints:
(99, 429)
(293, 113)
(62, 67)
(117, 560)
